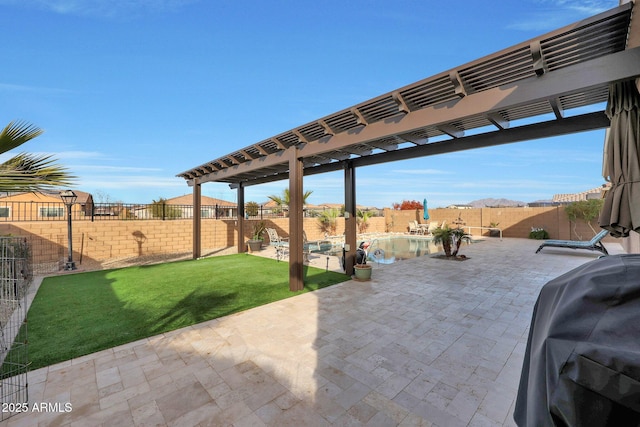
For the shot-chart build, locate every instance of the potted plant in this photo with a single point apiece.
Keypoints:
(362, 270)
(494, 233)
(255, 243)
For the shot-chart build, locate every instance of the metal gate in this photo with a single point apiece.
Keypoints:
(15, 278)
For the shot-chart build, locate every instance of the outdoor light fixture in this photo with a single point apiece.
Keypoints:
(69, 198)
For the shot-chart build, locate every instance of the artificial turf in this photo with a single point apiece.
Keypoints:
(77, 314)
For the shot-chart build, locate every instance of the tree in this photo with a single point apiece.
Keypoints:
(252, 208)
(101, 196)
(459, 236)
(586, 210)
(160, 209)
(443, 235)
(407, 205)
(28, 172)
(450, 238)
(285, 199)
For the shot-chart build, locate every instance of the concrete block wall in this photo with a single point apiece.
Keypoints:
(312, 227)
(104, 240)
(514, 222)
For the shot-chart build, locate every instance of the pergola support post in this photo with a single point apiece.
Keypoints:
(197, 219)
(241, 245)
(296, 271)
(350, 219)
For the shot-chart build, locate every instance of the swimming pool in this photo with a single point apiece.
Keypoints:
(389, 249)
(386, 250)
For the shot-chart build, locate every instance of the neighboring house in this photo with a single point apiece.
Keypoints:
(271, 208)
(208, 206)
(459, 207)
(182, 207)
(45, 205)
(340, 206)
(594, 193)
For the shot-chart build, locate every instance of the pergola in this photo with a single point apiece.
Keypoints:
(538, 80)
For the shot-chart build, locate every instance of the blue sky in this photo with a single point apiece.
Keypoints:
(132, 92)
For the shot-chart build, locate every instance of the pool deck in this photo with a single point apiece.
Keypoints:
(426, 342)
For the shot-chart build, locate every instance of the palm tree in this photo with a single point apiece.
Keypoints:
(459, 236)
(328, 220)
(362, 217)
(450, 237)
(285, 199)
(443, 235)
(28, 172)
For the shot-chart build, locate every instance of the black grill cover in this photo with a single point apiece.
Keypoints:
(582, 363)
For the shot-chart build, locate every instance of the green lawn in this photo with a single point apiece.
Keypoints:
(77, 314)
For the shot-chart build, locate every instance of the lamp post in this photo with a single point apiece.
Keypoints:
(69, 198)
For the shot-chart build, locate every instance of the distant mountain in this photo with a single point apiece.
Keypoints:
(488, 203)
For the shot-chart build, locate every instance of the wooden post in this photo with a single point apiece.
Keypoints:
(350, 219)
(296, 272)
(197, 220)
(240, 220)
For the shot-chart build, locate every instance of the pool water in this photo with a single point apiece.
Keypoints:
(387, 250)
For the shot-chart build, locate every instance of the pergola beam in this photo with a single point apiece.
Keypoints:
(596, 72)
(583, 123)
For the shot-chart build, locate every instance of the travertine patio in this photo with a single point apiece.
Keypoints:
(426, 342)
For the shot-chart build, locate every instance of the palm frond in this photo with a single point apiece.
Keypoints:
(277, 199)
(16, 134)
(33, 173)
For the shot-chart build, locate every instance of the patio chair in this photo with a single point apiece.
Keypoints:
(592, 245)
(414, 228)
(280, 243)
(309, 246)
(432, 227)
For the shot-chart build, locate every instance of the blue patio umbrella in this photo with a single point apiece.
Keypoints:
(425, 216)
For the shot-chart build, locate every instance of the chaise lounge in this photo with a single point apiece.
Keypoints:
(592, 245)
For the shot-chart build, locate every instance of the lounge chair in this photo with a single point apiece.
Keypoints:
(280, 243)
(592, 245)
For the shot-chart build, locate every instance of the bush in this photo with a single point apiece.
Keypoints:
(538, 234)
(328, 221)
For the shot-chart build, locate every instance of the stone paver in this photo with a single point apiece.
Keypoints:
(427, 342)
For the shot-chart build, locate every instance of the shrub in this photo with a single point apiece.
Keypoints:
(538, 233)
(328, 220)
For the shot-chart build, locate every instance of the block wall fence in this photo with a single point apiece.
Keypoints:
(104, 240)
